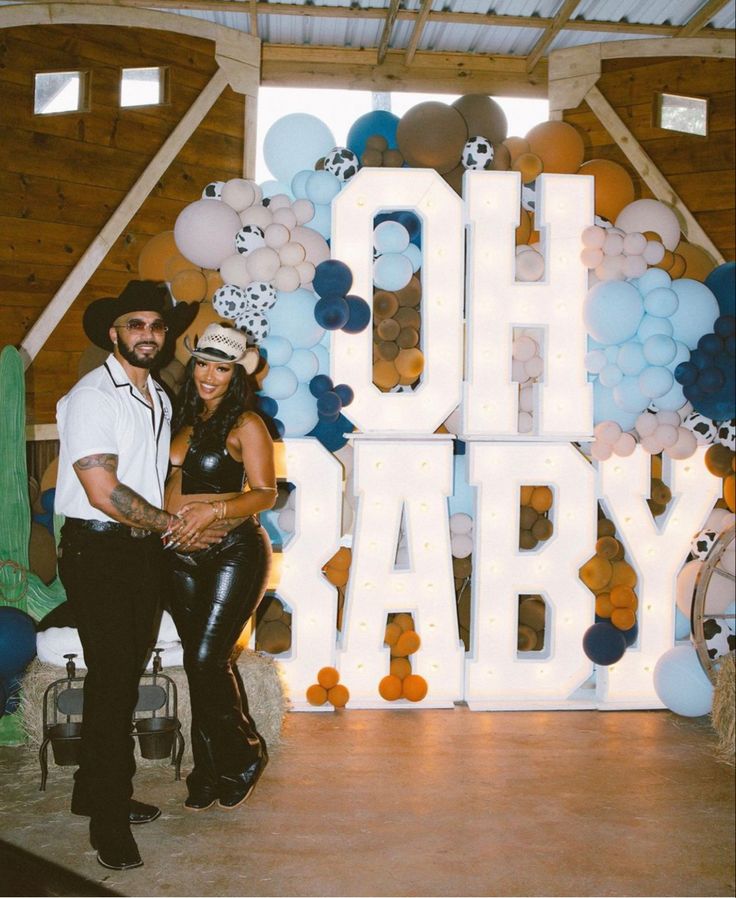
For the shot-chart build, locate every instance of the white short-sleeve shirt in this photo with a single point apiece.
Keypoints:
(105, 414)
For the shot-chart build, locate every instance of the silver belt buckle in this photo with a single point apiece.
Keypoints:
(139, 533)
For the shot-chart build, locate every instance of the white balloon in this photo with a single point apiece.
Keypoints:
(681, 683)
(205, 231)
(685, 589)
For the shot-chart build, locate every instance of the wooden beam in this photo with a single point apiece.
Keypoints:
(648, 171)
(416, 34)
(551, 32)
(254, 17)
(388, 27)
(701, 18)
(101, 245)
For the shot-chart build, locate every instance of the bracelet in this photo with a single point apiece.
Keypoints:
(220, 509)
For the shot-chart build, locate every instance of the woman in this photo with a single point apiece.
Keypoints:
(218, 442)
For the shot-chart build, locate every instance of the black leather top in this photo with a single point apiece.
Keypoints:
(208, 468)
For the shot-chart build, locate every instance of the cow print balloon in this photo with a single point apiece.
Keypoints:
(248, 238)
(230, 301)
(213, 191)
(255, 325)
(703, 428)
(260, 296)
(341, 162)
(478, 154)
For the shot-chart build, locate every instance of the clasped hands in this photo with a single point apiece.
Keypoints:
(194, 527)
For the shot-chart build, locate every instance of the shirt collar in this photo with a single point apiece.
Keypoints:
(120, 377)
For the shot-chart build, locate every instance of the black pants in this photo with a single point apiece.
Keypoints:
(216, 590)
(112, 584)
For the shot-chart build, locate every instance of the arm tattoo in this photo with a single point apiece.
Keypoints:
(108, 462)
(137, 510)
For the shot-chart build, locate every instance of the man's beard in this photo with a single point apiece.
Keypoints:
(137, 361)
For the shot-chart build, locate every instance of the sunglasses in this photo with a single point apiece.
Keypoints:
(137, 326)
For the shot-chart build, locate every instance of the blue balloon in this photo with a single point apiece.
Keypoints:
(323, 357)
(320, 384)
(345, 393)
(652, 279)
(414, 255)
(295, 142)
(279, 383)
(632, 634)
(671, 401)
(412, 223)
(359, 315)
(605, 408)
(711, 344)
(682, 355)
(299, 412)
(711, 379)
(267, 405)
(696, 314)
(305, 364)
(660, 349)
(329, 404)
(661, 302)
(17, 641)
(279, 427)
(380, 122)
(612, 311)
(331, 434)
(332, 278)
(463, 494)
(299, 183)
(630, 358)
(276, 350)
(681, 683)
(651, 326)
(604, 644)
(321, 221)
(322, 187)
(655, 381)
(392, 271)
(682, 625)
(611, 375)
(686, 373)
(293, 318)
(390, 237)
(275, 188)
(725, 326)
(628, 396)
(722, 284)
(332, 313)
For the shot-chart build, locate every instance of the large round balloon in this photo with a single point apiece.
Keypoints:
(613, 311)
(650, 215)
(604, 644)
(432, 135)
(17, 641)
(559, 146)
(205, 232)
(483, 116)
(376, 122)
(681, 683)
(614, 188)
(722, 284)
(293, 318)
(298, 412)
(295, 142)
(696, 311)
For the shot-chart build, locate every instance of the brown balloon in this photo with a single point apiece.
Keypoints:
(385, 304)
(410, 363)
(501, 157)
(372, 158)
(408, 338)
(454, 178)
(614, 187)
(432, 135)
(529, 165)
(559, 146)
(388, 350)
(388, 329)
(392, 159)
(376, 142)
(516, 146)
(411, 295)
(483, 117)
(407, 317)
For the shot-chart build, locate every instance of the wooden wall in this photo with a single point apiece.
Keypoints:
(699, 169)
(62, 176)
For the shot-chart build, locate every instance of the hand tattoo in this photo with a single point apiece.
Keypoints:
(136, 509)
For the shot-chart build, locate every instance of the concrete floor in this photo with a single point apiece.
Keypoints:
(425, 802)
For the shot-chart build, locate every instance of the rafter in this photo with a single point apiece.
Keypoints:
(388, 27)
(701, 18)
(550, 32)
(416, 35)
(254, 17)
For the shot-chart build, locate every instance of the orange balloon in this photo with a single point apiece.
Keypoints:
(328, 677)
(516, 147)
(400, 667)
(526, 639)
(623, 597)
(718, 460)
(338, 696)
(678, 267)
(607, 547)
(390, 688)
(414, 687)
(410, 363)
(341, 559)
(606, 527)
(316, 695)
(189, 285)
(525, 495)
(336, 577)
(176, 263)
(530, 166)
(614, 188)
(623, 574)
(542, 498)
(698, 263)
(603, 606)
(405, 621)
(407, 644)
(729, 492)
(214, 282)
(154, 255)
(525, 227)
(393, 631)
(623, 618)
(559, 145)
(596, 573)
(385, 375)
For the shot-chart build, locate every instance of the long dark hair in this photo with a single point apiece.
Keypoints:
(240, 397)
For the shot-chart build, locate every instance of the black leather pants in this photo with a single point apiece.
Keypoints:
(216, 590)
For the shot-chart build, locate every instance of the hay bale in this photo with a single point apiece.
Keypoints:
(724, 708)
(261, 678)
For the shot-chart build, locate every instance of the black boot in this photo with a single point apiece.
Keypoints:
(116, 848)
(234, 790)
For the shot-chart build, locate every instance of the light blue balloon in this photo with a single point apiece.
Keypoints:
(293, 318)
(660, 350)
(672, 400)
(278, 350)
(652, 279)
(299, 412)
(299, 183)
(462, 500)
(392, 271)
(612, 311)
(655, 381)
(321, 222)
(629, 397)
(295, 142)
(650, 325)
(611, 353)
(681, 355)
(681, 683)
(605, 409)
(272, 188)
(696, 313)
(323, 357)
(305, 364)
(279, 383)
(682, 625)
(661, 302)
(595, 361)
(631, 359)
(610, 375)
(414, 254)
(390, 237)
(322, 187)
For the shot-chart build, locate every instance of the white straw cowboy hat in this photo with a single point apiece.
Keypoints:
(219, 343)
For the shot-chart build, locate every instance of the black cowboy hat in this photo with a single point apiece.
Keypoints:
(137, 296)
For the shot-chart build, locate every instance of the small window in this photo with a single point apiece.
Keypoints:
(686, 114)
(143, 87)
(60, 92)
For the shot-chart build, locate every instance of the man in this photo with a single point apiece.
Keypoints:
(114, 453)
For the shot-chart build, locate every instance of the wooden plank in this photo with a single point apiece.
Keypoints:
(416, 34)
(561, 18)
(388, 27)
(701, 18)
(100, 246)
(648, 171)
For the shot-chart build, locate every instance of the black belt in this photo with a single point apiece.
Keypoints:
(110, 527)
